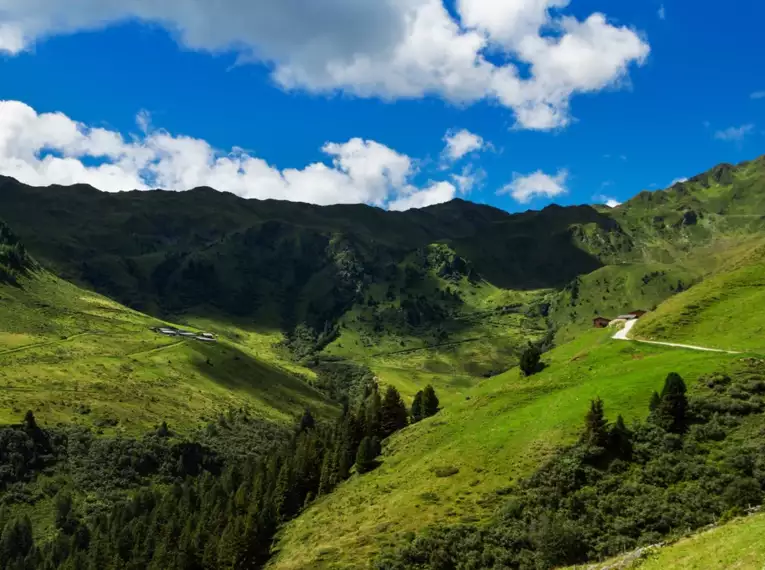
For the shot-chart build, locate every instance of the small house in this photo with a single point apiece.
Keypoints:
(637, 314)
(627, 317)
(167, 331)
(204, 338)
(209, 336)
(601, 322)
(188, 334)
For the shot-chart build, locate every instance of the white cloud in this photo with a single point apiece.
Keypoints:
(525, 188)
(678, 181)
(607, 200)
(734, 134)
(436, 193)
(387, 48)
(662, 12)
(51, 148)
(461, 143)
(758, 95)
(469, 178)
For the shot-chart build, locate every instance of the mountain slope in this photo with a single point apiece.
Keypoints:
(456, 466)
(75, 356)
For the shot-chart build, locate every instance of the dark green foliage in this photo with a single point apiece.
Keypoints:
(673, 404)
(595, 425)
(530, 360)
(653, 404)
(417, 412)
(393, 415)
(306, 421)
(430, 403)
(620, 439)
(188, 507)
(369, 449)
(373, 414)
(648, 483)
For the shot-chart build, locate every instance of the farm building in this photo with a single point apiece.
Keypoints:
(601, 322)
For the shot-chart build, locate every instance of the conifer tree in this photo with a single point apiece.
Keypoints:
(393, 415)
(654, 402)
(430, 402)
(620, 439)
(595, 425)
(372, 413)
(307, 422)
(365, 458)
(530, 360)
(417, 412)
(672, 409)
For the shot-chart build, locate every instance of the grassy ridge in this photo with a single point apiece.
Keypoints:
(74, 356)
(502, 432)
(724, 311)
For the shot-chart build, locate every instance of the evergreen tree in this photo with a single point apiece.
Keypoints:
(366, 455)
(29, 421)
(620, 439)
(595, 425)
(654, 403)
(430, 402)
(372, 412)
(307, 422)
(393, 415)
(417, 412)
(671, 411)
(530, 360)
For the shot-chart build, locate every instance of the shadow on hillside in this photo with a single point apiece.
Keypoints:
(537, 250)
(242, 374)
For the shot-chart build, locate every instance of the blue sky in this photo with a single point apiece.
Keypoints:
(667, 91)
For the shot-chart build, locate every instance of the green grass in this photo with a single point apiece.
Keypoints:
(724, 311)
(736, 545)
(74, 356)
(502, 432)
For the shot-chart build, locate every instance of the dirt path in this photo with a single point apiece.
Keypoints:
(42, 344)
(623, 334)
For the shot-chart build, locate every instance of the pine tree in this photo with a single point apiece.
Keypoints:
(366, 455)
(654, 402)
(417, 411)
(307, 422)
(620, 439)
(530, 360)
(372, 411)
(671, 411)
(29, 421)
(595, 425)
(393, 414)
(429, 402)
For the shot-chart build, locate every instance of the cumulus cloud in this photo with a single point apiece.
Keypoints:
(734, 134)
(434, 194)
(388, 48)
(662, 12)
(51, 148)
(607, 200)
(678, 181)
(524, 188)
(460, 143)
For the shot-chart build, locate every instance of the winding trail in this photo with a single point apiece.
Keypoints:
(623, 334)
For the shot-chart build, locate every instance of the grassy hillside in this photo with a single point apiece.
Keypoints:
(724, 311)
(454, 467)
(74, 356)
(737, 544)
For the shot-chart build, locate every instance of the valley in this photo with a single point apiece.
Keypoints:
(317, 312)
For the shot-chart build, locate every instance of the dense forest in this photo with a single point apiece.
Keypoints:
(170, 503)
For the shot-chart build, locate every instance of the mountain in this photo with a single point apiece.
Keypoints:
(312, 308)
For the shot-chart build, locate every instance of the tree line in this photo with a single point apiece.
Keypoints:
(692, 462)
(220, 518)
